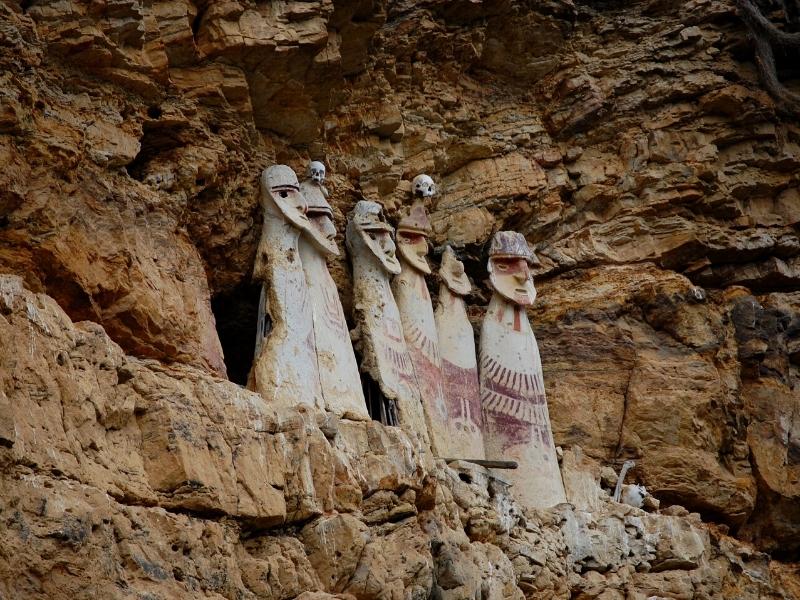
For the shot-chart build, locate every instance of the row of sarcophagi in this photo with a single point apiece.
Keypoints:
(418, 368)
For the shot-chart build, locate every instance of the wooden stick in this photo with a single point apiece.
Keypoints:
(491, 464)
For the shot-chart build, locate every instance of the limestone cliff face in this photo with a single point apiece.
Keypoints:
(632, 145)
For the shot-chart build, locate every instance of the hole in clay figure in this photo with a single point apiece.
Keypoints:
(236, 313)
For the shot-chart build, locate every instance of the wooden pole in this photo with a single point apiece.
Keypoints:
(491, 464)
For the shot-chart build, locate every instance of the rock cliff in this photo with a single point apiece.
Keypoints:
(632, 144)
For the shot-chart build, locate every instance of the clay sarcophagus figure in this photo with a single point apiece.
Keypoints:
(512, 388)
(459, 361)
(394, 397)
(285, 367)
(338, 370)
(419, 325)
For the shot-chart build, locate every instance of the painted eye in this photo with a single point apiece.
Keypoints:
(372, 236)
(502, 267)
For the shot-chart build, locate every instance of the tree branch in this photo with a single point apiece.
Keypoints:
(764, 34)
(765, 60)
(759, 23)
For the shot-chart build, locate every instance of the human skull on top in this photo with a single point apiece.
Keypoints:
(316, 175)
(316, 172)
(423, 186)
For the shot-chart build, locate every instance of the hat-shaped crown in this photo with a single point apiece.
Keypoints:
(510, 244)
(315, 198)
(368, 216)
(416, 220)
(318, 203)
(281, 176)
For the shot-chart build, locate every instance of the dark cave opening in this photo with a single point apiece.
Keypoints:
(379, 407)
(236, 313)
(157, 139)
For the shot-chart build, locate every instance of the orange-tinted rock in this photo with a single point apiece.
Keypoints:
(633, 146)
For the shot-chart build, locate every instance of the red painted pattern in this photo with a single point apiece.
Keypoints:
(333, 315)
(394, 353)
(429, 379)
(462, 393)
(516, 402)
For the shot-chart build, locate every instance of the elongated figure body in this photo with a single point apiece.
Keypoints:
(379, 332)
(512, 388)
(285, 367)
(419, 325)
(459, 361)
(338, 370)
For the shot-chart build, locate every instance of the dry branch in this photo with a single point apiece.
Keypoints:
(765, 34)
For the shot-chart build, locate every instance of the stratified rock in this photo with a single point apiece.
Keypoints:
(164, 480)
(633, 146)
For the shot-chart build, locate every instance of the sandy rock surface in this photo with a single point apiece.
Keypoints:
(632, 145)
(127, 478)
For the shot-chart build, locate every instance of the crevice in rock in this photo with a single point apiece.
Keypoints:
(122, 498)
(236, 313)
(157, 139)
(248, 531)
(197, 21)
(773, 274)
(68, 293)
(205, 514)
(771, 524)
(621, 434)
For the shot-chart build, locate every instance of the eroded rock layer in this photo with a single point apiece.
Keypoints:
(632, 145)
(158, 482)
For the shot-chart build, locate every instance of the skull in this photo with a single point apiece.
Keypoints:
(422, 185)
(316, 172)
